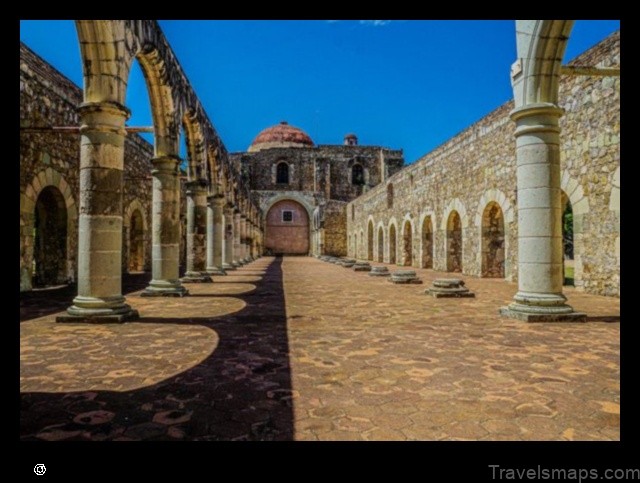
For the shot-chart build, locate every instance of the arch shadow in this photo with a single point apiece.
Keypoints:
(242, 391)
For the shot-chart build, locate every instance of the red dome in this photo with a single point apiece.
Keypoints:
(281, 136)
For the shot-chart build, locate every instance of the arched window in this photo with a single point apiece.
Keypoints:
(357, 175)
(389, 195)
(282, 173)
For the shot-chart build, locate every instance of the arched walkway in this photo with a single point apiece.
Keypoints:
(392, 244)
(370, 241)
(380, 244)
(427, 242)
(407, 245)
(454, 242)
(50, 233)
(493, 241)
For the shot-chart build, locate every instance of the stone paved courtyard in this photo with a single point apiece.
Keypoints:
(296, 348)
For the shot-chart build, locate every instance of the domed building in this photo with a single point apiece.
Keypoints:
(303, 188)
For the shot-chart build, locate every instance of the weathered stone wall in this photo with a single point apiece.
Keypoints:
(477, 167)
(335, 228)
(325, 169)
(49, 159)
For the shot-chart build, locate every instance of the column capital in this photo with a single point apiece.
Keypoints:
(539, 117)
(196, 186)
(216, 200)
(108, 117)
(166, 164)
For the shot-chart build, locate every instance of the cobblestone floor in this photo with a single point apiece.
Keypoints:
(296, 348)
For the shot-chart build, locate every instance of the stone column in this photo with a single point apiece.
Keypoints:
(247, 240)
(228, 239)
(165, 229)
(215, 235)
(102, 137)
(196, 233)
(237, 256)
(540, 276)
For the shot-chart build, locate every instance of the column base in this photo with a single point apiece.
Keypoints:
(196, 277)
(535, 307)
(216, 271)
(99, 310)
(228, 266)
(529, 317)
(164, 289)
(237, 263)
(99, 319)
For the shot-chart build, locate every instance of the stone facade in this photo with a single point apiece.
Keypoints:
(473, 177)
(49, 170)
(320, 179)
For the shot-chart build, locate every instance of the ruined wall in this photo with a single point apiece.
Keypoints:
(478, 167)
(325, 169)
(335, 228)
(49, 159)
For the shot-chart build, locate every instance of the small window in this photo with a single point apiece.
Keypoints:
(357, 175)
(282, 173)
(287, 216)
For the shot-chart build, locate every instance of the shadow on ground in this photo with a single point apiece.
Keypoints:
(240, 392)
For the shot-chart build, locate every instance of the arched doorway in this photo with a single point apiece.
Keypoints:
(392, 244)
(454, 242)
(493, 255)
(287, 228)
(568, 260)
(380, 244)
(136, 242)
(407, 245)
(370, 241)
(50, 235)
(427, 243)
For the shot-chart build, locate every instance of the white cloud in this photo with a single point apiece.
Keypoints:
(375, 23)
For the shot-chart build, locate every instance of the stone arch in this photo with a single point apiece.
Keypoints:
(573, 192)
(380, 242)
(135, 230)
(492, 243)
(393, 242)
(196, 152)
(272, 240)
(427, 240)
(536, 73)
(407, 243)
(370, 240)
(456, 205)
(48, 178)
(454, 242)
(508, 214)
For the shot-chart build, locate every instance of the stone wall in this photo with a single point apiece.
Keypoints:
(49, 162)
(475, 171)
(334, 227)
(325, 169)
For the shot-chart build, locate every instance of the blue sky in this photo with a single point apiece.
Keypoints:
(402, 84)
